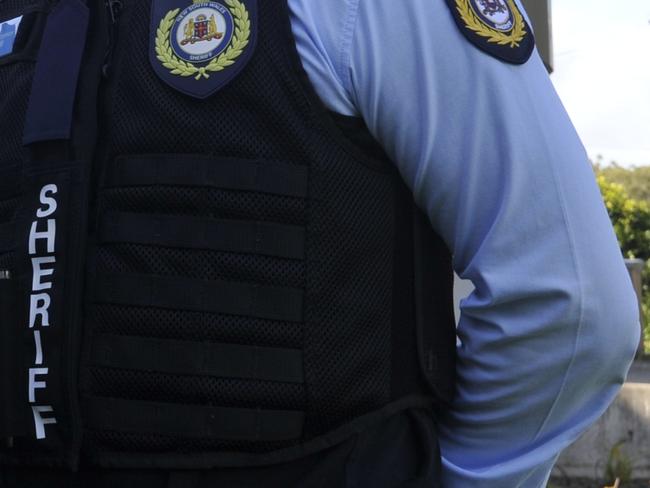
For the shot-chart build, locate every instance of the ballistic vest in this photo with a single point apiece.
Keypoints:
(199, 265)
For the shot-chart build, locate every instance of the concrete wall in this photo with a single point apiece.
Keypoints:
(627, 419)
(539, 12)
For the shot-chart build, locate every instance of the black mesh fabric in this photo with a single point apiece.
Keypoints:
(175, 123)
(7, 209)
(15, 83)
(268, 113)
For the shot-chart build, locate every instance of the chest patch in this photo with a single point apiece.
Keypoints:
(8, 33)
(199, 48)
(497, 27)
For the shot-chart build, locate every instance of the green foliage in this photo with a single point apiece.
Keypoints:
(635, 180)
(631, 220)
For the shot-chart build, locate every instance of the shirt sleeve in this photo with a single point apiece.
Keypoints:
(548, 335)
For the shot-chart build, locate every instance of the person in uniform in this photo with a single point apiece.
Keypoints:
(228, 262)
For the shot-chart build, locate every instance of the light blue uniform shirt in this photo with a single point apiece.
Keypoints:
(488, 150)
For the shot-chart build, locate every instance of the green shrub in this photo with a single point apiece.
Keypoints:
(631, 221)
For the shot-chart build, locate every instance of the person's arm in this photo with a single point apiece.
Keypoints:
(488, 150)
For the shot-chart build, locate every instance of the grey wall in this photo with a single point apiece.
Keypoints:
(540, 14)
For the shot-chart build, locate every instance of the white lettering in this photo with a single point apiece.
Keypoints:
(49, 235)
(40, 422)
(43, 270)
(38, 272)
(33, 384)
(49, 202)
(39, 348)
(39, 305)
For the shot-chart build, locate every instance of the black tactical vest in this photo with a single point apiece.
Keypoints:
(235, 280)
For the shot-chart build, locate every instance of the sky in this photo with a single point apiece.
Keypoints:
(602, 74)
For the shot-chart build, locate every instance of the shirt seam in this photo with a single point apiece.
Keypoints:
(580, 298)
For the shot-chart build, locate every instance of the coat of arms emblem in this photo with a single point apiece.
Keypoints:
(495, 13)
(200, 47)
(201, 29)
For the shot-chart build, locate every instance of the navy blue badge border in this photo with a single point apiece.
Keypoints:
(512, 55)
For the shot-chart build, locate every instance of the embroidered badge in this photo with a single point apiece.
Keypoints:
(495, 26)
(199, 48)
(8, 32)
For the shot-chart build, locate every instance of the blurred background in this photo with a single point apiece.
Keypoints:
(598, 54)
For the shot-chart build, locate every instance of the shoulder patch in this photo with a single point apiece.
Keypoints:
(8, 33)
(199, 46)
(495, 26)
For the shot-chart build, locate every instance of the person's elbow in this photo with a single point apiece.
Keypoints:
(610, 325)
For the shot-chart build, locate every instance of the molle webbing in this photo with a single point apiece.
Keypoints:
(148, 283)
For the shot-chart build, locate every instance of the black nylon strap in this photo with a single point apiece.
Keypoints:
(435, 323)
(192, 421)
(198, 358)
(227, 173)
(227, 297)
(270, 239)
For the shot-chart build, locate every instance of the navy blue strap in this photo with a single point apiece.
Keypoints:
(267, 238)
(175, 292)
(54, 87)
(192, 421)
(227, 173)
(198, 358)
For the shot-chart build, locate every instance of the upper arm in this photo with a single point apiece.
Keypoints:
(490, 153)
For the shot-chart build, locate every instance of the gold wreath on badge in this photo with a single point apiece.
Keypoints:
(182, 68)
(472, 21)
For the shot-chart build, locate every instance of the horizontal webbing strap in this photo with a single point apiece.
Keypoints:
(192, 421)
(198, 358)
(270, 239)
(171, 292)
(226, 173)
(7, 237)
